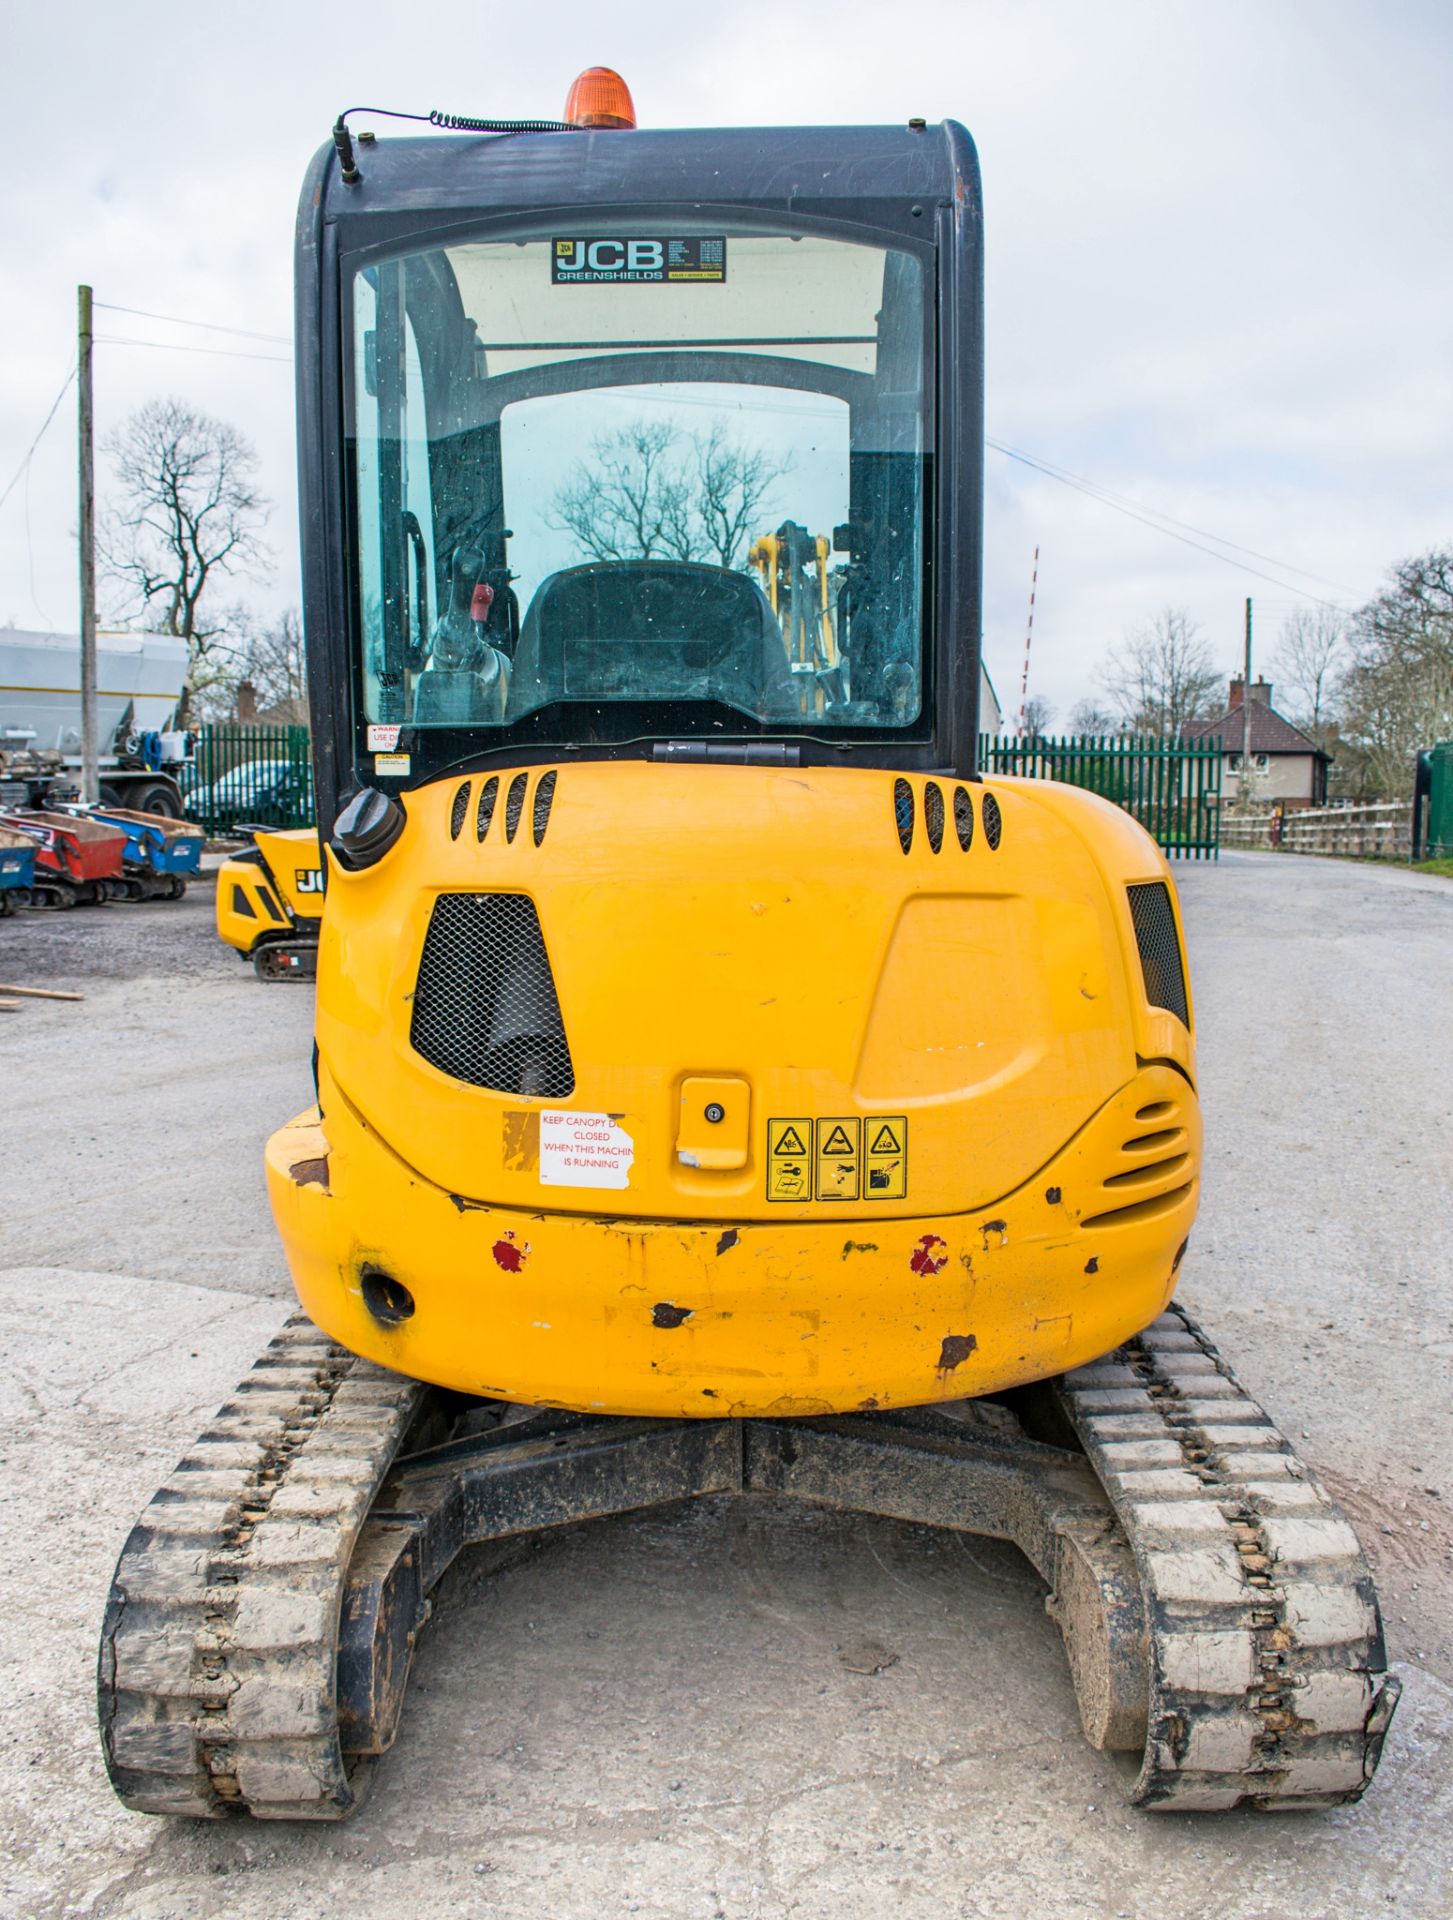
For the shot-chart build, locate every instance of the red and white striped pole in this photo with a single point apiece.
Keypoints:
(1028, 638)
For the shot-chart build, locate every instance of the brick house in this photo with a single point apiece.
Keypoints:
(1286, 764)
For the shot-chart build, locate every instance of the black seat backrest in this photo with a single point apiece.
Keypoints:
(650, 630)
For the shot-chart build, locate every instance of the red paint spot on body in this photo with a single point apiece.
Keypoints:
(930, 1255)
(508, 1253)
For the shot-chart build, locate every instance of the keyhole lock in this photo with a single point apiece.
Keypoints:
(715, 1112)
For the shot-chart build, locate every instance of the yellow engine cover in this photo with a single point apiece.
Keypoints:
(845, 1123)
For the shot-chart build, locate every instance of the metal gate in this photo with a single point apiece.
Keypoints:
(247, 775)
(1172, 788)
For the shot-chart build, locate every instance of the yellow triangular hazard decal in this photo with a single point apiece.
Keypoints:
(887, 1141)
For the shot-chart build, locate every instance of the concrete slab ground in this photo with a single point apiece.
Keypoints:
(653, 1716)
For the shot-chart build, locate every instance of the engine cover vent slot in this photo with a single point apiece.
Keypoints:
(963, 818)
(485, 1007)
(544, 797)
(484, 812)
(515, 804)
(1139, 1212)
(993, 821)
(1148, 1176)
(933, 814)
(903, 813)
(1160, 948)
(458, 811)
(1155, 1142)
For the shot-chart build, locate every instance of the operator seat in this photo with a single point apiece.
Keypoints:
(651, 630)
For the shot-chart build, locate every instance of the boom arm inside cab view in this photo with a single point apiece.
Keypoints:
(716, 1074)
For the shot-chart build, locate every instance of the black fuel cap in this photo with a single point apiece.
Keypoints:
(366, 829)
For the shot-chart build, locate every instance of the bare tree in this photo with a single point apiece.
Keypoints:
(1037, 715)
(270, 655)
(1397, 694)
(1161, 675)
(1309, 657)
(1091, 716)
(187, 515)
(652, 491)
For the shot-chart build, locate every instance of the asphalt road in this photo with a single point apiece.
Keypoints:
(653, 1716)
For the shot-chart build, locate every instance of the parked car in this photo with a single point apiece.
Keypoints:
(276, 793)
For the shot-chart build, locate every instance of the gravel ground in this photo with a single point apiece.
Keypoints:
(651, 1716)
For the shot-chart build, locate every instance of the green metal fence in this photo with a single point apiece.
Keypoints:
(250, 775)
(1173, 790)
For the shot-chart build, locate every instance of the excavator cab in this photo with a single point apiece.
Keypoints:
(722, 1086)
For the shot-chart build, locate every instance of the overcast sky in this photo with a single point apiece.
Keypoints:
(1219, 274)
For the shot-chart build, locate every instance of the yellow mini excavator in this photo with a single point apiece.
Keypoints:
(719, 1089)
(270, 902)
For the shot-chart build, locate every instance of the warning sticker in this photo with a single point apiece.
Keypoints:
(583, 1149)
(383, 739)
(837, 1158)
(841, 1157)
(396, 764)
(639, 260)
(885, 1158)
(789, 1159)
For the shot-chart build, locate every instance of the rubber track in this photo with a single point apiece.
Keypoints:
(1267, 1668)
(219, 1653)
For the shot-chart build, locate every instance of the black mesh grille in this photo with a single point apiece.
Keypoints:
(963, 817)
(993, 824)
(903, 813)
(460, 808)
(933, 814)
(485, 1008)
(544, 796)
(515, 804)
(484, 812)
(1160, 950)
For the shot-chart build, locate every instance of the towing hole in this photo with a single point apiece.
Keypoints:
(387, 1299)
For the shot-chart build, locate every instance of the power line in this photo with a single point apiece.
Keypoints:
(30, 451)
(207, 326)
(1092, 492)
(174, 346)
(1109, 495)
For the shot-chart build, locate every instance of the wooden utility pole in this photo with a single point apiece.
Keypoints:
(90, 780)
(1243, 785)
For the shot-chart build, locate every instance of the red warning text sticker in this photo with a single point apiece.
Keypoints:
(584, 1149)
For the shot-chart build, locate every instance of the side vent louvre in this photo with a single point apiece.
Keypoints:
(903, 813)
(484, 812)
(485, 1007)
(1160, 949)
(933, 814)
(544, 795)
(993, 823)
(963, 817)
(515, 804)
(457, 813)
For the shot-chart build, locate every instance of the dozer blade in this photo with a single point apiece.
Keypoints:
(1216, 1611)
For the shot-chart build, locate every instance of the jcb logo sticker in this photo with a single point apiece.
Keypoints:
(308, 879)
(633, 259)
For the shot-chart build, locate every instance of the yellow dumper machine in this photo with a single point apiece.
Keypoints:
(722, 1086)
